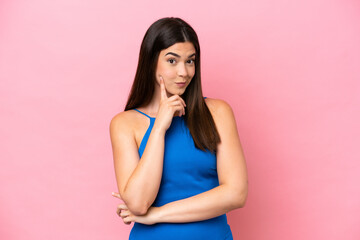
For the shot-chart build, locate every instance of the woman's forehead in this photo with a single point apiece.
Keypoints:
(184, 49)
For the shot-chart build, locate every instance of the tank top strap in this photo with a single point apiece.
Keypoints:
(142, 113)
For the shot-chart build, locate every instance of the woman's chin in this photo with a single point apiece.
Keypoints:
(178, 92)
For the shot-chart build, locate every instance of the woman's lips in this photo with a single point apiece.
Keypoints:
(181, 84)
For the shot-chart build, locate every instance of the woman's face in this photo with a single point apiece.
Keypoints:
(176, 65)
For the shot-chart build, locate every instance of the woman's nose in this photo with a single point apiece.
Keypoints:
(182, 71)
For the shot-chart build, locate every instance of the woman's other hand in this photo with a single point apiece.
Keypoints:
(128, 217)
(168, 107)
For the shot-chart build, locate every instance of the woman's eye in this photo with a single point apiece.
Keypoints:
(171, 61)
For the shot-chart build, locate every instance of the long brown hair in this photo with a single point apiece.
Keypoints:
(162, 34)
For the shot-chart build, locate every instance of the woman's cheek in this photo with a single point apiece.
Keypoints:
(165, 72)
(169, 73)
(193, 71)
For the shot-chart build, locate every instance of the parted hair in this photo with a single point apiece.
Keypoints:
(162, 34)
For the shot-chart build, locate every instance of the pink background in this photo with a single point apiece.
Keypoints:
(289, 69)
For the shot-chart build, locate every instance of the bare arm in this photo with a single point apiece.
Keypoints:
(138, 179)
(231, 167)
(232, 190)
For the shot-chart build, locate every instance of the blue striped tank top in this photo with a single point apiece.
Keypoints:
(187, 171)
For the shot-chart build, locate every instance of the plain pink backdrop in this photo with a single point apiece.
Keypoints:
(289, 69)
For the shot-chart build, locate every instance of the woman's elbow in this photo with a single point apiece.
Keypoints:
(242, 201)
(240, 197)
(138, 208)
(139, 211)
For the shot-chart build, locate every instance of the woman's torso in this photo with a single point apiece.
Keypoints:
(187, 171)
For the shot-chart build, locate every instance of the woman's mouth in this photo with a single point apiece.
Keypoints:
(181, 84)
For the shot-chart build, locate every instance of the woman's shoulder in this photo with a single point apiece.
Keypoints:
(223, 115)
(123, 121)
(124, 116)
(218, 107)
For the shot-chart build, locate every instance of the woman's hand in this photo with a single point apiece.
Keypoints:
(168, 107)
(151, 217)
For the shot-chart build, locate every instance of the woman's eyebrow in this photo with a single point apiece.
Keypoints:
(176, 55)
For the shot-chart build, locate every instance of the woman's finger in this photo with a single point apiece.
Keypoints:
(176, 103)
(182, 100)
(117, 195)
(177, 97)
(124, 213)
(177, 100)
(162, 89)
(122, 207)
(179, 108)
(127, 220)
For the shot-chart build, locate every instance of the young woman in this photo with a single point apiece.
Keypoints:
(178, 160)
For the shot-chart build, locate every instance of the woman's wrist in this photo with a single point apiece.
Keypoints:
(158, 130)
(157, 214)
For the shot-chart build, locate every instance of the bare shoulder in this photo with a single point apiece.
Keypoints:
(219, 108)
(123, 122)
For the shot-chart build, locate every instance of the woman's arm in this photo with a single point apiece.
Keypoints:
(232, 190)
(203, 206)
(138, 180)
(231, 168)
